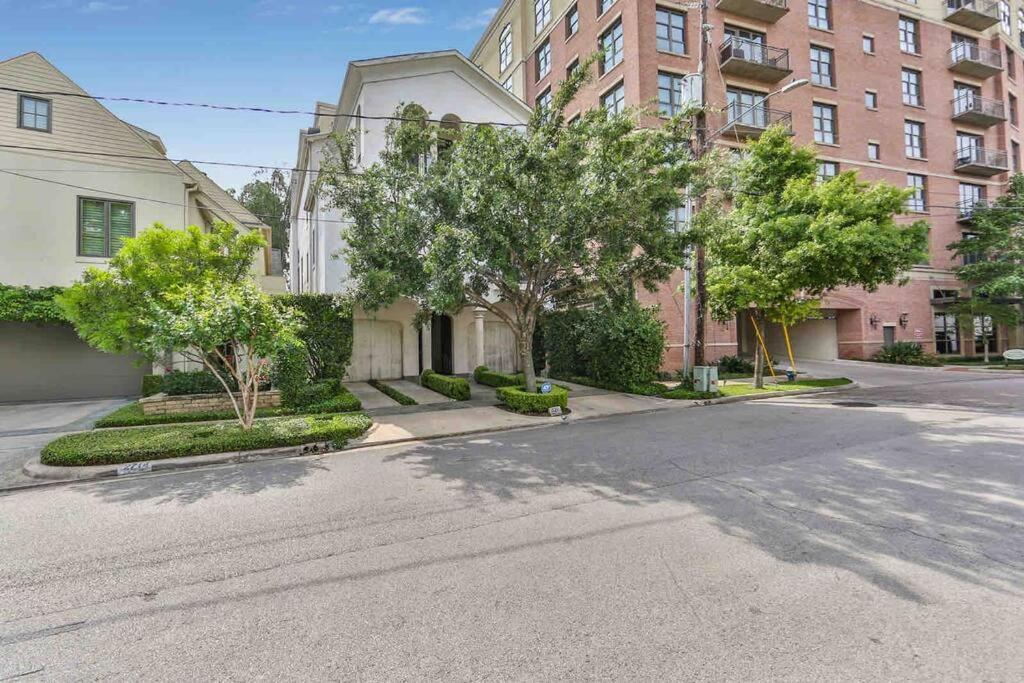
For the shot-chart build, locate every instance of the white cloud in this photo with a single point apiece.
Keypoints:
(401, 15)
(474, 21)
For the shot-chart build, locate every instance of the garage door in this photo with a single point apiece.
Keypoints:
(500, 347)
(811, 339)
(376, 350)
(50, 362)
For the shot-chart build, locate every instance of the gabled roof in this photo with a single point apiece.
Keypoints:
(226, 207)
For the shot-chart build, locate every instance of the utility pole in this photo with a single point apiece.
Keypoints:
(701, 130)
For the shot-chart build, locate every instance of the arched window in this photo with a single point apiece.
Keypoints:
(447, 134)
(415, 149)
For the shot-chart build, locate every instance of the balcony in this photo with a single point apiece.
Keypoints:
(974, 14)
(980, 161)
(743, 122)
(966, 209)
(974, 60)
(762, 10)
(752, 60)
(978, 111)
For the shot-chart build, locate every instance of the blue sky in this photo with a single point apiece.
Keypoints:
(276, 53)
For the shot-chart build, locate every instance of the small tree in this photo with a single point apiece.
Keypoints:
(268, 196)
(514, 220)
(993, 261)
(186, 291)
(789, 238)
(980, 315)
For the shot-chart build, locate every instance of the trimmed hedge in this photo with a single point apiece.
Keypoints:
(452, 387)
(152, 384)
(115, 446)
(645, 389)
(531, 403)
(491, 378)
(30, 305)
(178, 383)
(390, 391)
(326, 332)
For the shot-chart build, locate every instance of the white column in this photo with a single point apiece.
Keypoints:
(427, 355)
(478, 321)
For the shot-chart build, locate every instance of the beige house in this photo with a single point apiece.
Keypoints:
(74, 182)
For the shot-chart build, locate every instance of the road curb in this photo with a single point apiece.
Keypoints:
(776, 394)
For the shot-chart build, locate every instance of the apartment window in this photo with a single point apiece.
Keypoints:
(1013, 109)
(679, 217)
(1020, 27)
(615, 99)
(871, 99)
(983, 330)
(970, 196)
(908, 29)
(913, 139)
(670, 93)
(967, 146)
(670, 29)
(868, 44)
(543, 60)
(507, 84)
(969, 258)
(505, 47)
(611, 44)
(824, 116)
(874, 151)
(103, 226)
(1011, 63)
(541, 14)
(573, 67)
(1004, 17)
(821, 66)
(947, 336)
(827, 170)
(603, 6)
(572, 22)
(34, 113)
(1014, 156)
(747, 106)
(819, 14)
(544, 100)
(911, 80)
(917, 201)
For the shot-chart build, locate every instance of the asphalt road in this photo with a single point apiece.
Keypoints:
(787, 539)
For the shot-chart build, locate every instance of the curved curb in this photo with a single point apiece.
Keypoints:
(35, 469)
(776, 394)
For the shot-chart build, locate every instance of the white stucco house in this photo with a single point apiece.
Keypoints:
(74, 181)
(387, 343)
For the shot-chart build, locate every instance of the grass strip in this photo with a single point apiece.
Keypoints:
(391, 392)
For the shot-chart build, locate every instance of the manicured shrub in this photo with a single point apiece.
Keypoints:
(735, 365)
(343, 401)
(113, 446)
(395, 394)
(326, 332)
(522, 401)
(152, 384)
(30, 305)
(623, 344)
(563, 336)
(498, 379)
(452, 387)
(309, 394)
(178, 383)
(289, 372)
(905, 353)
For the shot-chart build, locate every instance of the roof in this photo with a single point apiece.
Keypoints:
(225, 206)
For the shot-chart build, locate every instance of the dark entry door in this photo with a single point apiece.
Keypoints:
(441, 345)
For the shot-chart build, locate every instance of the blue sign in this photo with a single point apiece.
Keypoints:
(545, 388)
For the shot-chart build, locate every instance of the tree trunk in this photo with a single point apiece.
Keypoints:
(526, 357)
(758, 367)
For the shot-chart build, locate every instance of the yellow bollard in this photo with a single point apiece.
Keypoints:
(789, 348)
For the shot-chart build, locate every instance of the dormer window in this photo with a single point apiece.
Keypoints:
(34, 113)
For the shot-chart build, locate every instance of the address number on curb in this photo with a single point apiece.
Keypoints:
(134, 468)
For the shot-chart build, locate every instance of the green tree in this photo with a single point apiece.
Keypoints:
(268, 197)
(789, 238)
(513, 220)
(184, 291)
(993, 261)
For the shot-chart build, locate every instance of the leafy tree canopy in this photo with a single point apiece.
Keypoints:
(268, 196)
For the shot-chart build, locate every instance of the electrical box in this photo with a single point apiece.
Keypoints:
(705, 378)
(692, 92)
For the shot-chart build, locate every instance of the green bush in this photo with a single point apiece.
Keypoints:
(309, 394)
(452, 387)
(392, 392)
(113, 446)
(289, 372)
(563, 333)
(905, 353)
(326, 332)
(152, 384)
(30, 305)
(497, 379)
(734, 365)
(645, 389)
(522, 401)
(178, 383)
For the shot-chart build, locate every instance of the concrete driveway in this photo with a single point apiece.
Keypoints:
(27, 427)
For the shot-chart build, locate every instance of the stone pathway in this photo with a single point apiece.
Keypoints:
(370, 397)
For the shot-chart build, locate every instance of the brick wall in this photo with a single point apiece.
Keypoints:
(162, 404)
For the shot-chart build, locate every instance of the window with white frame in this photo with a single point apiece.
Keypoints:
(913, 139)
(611, 43)
(874, 151)
(541, 14)
(824, 117)
(947, 334)
(544, 100)
(507, 84)
(505, 48)
(868, 44)
(819, 14)
(821, 66)
(543, 59)
(670, 30)
(603, 6)
(1004, 17)
(908, 30)
(827, 170)
(670, 93)
(918, 200)
(615, 99)
(1020, 27)
(871, 99)
(911, 84)
(572, 21)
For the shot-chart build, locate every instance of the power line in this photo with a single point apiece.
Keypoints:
(258, 110)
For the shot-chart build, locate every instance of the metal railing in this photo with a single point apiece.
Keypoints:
(969, 103)
(752, 51)
(979, 156)
(989, 8)
(971, 52)
(967, 207)
(759, 116)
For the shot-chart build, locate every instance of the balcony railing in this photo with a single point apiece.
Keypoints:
(967, 207)
(762, 10)
(981, 161)
(751, 59)
(975, 14)
(975, 60)
(746, 121)
(978, 110)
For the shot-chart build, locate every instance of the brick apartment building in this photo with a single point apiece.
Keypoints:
(919, 93)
